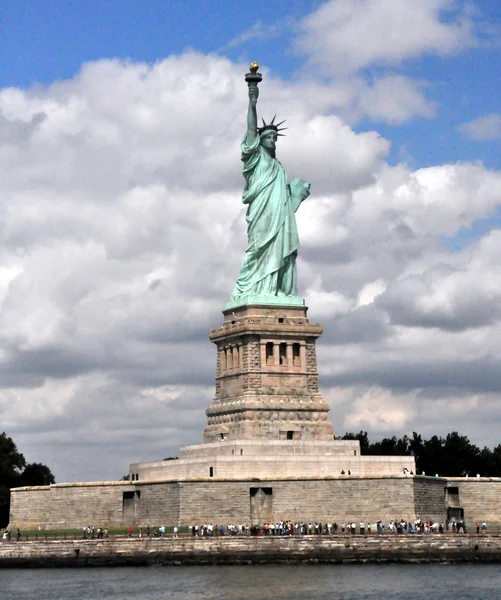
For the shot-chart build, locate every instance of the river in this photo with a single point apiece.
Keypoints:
(347, 582)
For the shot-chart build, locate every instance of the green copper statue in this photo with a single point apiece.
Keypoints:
(268, 270)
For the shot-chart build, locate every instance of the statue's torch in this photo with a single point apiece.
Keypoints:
(253, 78)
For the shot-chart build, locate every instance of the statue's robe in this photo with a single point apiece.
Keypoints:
(269, 265)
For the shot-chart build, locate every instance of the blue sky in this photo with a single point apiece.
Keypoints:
(122, 227)
(48, 40)
(45, 41)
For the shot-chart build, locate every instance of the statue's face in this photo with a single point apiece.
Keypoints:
(269, 141)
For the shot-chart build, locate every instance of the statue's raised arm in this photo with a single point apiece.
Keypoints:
(252, 111)
(268, 271)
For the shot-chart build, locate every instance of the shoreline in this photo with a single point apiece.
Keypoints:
(116, 552)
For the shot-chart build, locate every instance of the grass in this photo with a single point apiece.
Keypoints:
(60, 534)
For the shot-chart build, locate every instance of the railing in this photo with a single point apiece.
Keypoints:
(61, 535)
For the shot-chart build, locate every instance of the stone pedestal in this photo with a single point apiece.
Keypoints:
(267, 377)
(268, 418)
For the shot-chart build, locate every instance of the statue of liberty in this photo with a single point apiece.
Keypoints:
(268, 270)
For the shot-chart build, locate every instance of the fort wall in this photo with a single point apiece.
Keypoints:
(479, 497)
(245, 501)
(248, 501)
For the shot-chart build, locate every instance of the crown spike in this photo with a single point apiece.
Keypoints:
(271, 126)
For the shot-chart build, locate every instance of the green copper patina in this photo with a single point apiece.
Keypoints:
(268, 270)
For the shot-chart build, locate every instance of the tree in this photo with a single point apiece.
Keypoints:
(431, 460)
(452, 456)
(362, 437)
(14, 472)
(391, 447)
(36, 474)
(494, 462)
(461, 457)
(386, 447)
(12, 463)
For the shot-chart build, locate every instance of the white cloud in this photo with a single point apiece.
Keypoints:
(360, 46)
(122, 230)
(257, 31)
(395, 99)
(487, 127)
(344, 36)
(370, 292)
(378, 410)
(463, 293)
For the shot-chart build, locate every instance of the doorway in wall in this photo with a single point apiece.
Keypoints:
(130, 506)
(261, 505)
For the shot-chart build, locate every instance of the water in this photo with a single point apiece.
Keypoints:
(319, 582)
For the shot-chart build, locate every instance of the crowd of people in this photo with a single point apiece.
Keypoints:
(156, 532)
(7, 535)
(90, 533)
(287, 527)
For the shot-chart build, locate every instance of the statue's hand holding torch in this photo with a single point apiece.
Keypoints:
(253, 79)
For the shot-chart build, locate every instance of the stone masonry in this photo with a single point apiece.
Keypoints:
(269, 453)
(267, 377)
(252, 550)
(268, 416)
(339, 499)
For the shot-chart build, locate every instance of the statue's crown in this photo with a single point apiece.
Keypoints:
(272, 126)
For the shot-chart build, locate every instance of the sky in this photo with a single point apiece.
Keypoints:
(122, 227)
